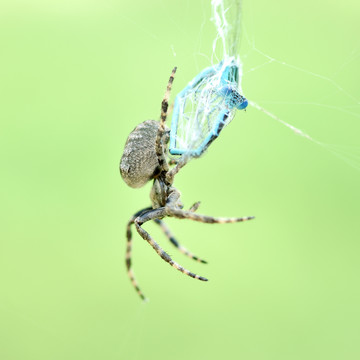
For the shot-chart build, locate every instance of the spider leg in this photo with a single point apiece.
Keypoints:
(129, 251)
(171, 238)
(171, 108)
(172, 209)
(152, 215)
(183, 214)
(164, 110)
(184, 159)
(195, 206)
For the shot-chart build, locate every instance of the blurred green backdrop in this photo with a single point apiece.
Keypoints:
(76, 77)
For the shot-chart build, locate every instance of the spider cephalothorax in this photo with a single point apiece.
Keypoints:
(144, 159)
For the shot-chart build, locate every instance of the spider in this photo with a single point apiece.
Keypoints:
(144, 159)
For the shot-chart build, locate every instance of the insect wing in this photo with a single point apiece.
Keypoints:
(200, 113)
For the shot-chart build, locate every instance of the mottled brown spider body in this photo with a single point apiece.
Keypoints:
(144, 159)
(139, 163)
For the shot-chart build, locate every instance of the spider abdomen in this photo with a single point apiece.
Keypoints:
(139, 162)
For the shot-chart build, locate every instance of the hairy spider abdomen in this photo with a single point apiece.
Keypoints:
(139, 162)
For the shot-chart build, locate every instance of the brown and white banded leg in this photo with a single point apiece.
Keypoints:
(164, 110)
(180, 163)
(129, 252)
(172, 209)
(183, 214)
(195, 206)
(152, 215)
(172, 239)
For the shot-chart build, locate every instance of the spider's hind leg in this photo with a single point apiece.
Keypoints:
(171, 238)
(159, 214)
(129, 252)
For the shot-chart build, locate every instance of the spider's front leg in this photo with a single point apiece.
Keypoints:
(180, 163)
(159, 147)
(159, 214)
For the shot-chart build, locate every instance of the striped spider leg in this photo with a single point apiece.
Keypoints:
(168, 234)
(173, 241)
(171, 209)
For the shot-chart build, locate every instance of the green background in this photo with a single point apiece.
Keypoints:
(76, 77)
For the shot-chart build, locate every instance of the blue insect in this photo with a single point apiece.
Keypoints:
(204, 107)
(209, 102)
